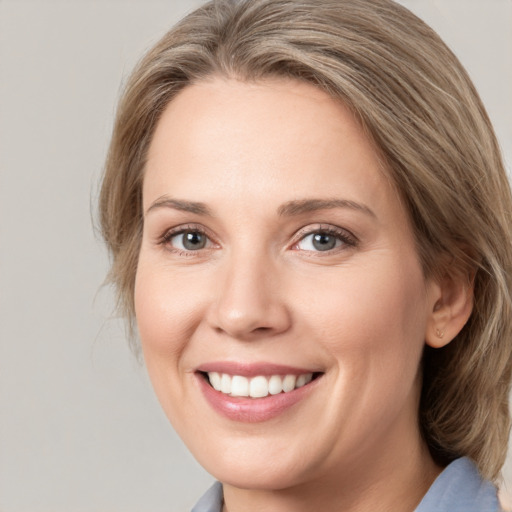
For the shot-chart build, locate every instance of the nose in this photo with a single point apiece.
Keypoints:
(249, 303)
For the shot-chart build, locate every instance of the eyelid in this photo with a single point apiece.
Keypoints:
(348, 239)
(168, 235)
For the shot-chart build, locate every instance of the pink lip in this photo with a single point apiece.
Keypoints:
(252, 369)
(252, 410)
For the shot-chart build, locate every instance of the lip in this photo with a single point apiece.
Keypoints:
(253, 369)
(252, 410)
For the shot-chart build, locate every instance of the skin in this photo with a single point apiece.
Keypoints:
(259, 291)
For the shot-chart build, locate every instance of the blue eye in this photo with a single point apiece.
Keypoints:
(189, 240)
(325, 239)
(319, 242)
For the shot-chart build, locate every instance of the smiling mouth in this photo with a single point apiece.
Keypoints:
(259, 386)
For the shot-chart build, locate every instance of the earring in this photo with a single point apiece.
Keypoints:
(439, 333)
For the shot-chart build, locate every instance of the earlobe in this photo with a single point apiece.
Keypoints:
(452, 304)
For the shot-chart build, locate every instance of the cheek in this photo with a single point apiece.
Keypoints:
(371, 315)
(167, 309)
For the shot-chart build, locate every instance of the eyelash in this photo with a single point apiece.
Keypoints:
(167, 237)
(346, 238)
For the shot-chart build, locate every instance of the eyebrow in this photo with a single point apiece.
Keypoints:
(288, 209)
(183, 206)
(298, 207)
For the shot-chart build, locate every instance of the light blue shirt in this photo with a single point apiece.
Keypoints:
(459, 488)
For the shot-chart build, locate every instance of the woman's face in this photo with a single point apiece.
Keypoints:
(276, 254)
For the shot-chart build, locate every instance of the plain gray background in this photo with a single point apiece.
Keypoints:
(80, 429)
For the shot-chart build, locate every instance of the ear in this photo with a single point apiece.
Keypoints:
(451, 306)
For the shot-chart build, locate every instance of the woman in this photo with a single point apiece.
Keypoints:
(310, 223)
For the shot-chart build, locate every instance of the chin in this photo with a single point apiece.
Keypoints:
(261, 462)
(256, 475)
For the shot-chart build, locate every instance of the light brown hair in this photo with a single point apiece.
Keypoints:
(418, 105)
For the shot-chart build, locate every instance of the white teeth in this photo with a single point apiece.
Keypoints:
(214, 380)
(302, 380)
(289, 383)
(275, 385)
(225, 383)
(257, 387)
(239, 386)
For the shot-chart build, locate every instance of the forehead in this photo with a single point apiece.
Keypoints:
(276, 137)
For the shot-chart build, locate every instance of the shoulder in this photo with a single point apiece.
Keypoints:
(460, 488)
